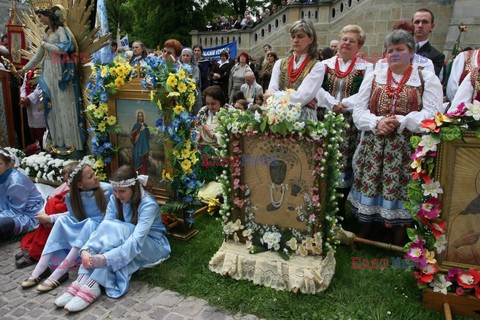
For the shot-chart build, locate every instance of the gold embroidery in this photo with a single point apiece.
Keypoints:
(284, 82)
(383, 105)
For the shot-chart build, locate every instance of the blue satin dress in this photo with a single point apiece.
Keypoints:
(68, 232)
(127, 247)
(19, 200)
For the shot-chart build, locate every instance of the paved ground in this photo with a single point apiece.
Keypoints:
(141, 302)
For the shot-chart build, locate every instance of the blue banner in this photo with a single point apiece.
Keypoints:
(104, 54)
(214, 52)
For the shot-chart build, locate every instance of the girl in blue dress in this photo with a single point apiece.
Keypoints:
(87, 203)
(20, 200)
(130, 237)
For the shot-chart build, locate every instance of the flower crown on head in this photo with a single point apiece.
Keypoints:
(77, 169)
(13, 158)
(130, 182)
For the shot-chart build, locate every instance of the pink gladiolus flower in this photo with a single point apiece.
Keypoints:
(453, 274)
(239, 202)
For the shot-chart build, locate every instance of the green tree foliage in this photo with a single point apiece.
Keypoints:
(154, 21)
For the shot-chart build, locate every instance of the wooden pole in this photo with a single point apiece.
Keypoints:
(448, 312)
(378, 244)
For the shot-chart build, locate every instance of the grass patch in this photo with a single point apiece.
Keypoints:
(353, 294)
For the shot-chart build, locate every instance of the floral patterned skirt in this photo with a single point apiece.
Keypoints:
(381, 167)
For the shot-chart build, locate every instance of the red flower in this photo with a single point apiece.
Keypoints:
(469, 279)
(430, 125)
(429, 209)
(438, 228)
(427, 274)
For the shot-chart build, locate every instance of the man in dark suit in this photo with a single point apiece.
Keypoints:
(423, 22)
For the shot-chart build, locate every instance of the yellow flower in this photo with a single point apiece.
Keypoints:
(191, 99)
(159, 104)
(416, 164)
(112, 120)
(186, 164)
(185, 153)
(101, 176)
(178, 109)
(119, 82)
(430, 256)
(98, 113)
(91, 107)
(103, 74)
(104, 107)
(166, 175)
(182, 87)
(192, 85)
(441, 118)
(174, 94)
(152, 95)
(194, 158)
(99, 164)
(176, 153)
(101, 127)
(172, 81)
(181, 74)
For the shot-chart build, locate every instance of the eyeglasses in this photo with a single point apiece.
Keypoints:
(166, 51)
(348, 40)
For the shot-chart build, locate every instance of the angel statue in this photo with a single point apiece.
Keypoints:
(57, 47)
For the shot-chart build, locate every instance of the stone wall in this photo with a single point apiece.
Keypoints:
(376, 17)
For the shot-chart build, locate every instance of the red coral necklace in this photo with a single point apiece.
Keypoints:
(293, 75)
(341, 74)
(395, 92)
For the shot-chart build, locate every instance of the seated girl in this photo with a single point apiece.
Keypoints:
(130, 237)
(86, 202)
(19, 198)
(34, 242)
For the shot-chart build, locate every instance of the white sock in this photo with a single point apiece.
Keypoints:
(42, 265)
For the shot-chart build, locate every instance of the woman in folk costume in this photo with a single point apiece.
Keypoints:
(19, 198)
(343, 76)
(86, 202)
(391, 104)
(468, 91)
(33, 243)
(300, 70)
(463, 64)
(59, 82)
(130, 237)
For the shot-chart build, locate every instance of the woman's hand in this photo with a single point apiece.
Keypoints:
(208, 131)
(86, 259)
(312, 104)
(42, 217)
(98, 261)
(339, 108)
(387, 125)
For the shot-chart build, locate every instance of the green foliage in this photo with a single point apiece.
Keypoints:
(353, 294)
(415, 140)
(450, 133)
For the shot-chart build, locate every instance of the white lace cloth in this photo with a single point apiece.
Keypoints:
(308, 274)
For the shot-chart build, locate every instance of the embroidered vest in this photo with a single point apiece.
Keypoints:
(469, 65)
(350, 85)
(475, 81)
(410, 99)
(284, 82)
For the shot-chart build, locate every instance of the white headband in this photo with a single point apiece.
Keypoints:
(130, 182)
(12, 156)
(77, 169)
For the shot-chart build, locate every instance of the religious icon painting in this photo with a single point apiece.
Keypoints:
(280, 178)
(459, 175)
(140, 144)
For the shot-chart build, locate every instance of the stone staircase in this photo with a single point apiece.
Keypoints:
(376, 17)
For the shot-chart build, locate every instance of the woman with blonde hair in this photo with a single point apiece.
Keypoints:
(344, 74)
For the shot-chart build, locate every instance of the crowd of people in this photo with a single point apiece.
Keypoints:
(113, 229)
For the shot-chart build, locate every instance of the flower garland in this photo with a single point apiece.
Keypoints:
(173, 90)
(279, 120)
(42, 165)
(424, 205)
(105, 80)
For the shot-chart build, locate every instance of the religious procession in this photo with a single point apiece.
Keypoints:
(304, 160)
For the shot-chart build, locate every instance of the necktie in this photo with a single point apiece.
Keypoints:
(248, 92)
(417, 46)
